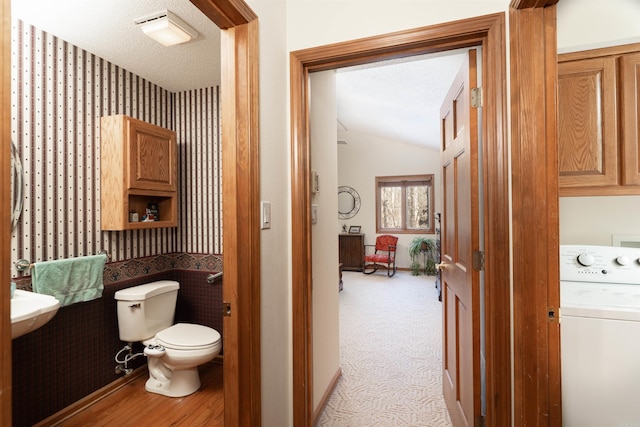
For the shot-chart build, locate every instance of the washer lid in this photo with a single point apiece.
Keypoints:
(187, 336)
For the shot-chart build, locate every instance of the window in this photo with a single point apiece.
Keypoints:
(404, 204)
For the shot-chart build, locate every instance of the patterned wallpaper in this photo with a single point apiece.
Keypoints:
(200, 176)
(59, 93)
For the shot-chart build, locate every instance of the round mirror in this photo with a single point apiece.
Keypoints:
(348, 202)
(16, 186)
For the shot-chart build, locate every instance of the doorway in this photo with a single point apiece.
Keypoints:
(394, 93)
(240, 140)
(488, 32)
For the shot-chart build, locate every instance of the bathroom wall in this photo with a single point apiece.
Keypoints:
(60, 92)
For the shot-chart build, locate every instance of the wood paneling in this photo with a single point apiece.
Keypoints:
(489, 32)
(537, 400)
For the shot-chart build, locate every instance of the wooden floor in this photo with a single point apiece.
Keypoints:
(133, 405)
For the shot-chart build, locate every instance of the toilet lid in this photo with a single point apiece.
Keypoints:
(187, 336)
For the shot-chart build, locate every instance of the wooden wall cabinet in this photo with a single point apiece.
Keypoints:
(351, 251)
(598, 120)
(138, 166)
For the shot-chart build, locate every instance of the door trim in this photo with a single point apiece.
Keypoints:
(488, 32)
(241, 193)
(534, 158)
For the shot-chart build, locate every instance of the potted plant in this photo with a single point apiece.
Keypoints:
(422, 245)
(415, 268)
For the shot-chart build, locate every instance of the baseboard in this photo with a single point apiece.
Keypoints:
(74, 408)
(326, 395)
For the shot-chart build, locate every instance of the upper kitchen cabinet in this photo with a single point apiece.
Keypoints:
(630, 125)
(138, 171)
(598, 122)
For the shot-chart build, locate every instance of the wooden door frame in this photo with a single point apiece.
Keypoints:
(5, 217)
(488, 32)
(241, 192)
(535, 219)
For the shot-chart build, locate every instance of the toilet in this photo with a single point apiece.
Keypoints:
(145, 314)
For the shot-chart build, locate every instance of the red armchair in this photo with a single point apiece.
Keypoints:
(384, 255)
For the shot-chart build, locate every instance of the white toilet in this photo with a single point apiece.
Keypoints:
(145, 314)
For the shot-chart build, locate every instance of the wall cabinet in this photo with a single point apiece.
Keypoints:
(598, 120)
(138, 167)
(351, 251)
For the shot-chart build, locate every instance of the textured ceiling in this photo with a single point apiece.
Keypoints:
(106, 29)
(398, 100)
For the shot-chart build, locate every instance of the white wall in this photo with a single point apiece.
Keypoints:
(586, 24)
(287, 25)
(594, 220)
(275, 276)
(324, 237)
(365, 157)
(319, 22)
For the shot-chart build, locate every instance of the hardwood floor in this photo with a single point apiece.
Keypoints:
(133, 405)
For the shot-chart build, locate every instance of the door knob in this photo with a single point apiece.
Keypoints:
(441, 266)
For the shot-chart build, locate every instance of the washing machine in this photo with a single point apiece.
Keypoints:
(600, 335)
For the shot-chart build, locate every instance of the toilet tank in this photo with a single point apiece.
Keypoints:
(146, 309)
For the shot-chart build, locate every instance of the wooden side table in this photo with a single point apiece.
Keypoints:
(351, 251)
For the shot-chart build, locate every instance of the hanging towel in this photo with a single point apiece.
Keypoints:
(70, 280)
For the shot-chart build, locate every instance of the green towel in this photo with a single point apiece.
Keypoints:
(70, 280)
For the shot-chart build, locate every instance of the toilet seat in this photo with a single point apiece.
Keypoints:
(186, 336)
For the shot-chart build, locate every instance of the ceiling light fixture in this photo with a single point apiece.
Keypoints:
(166, 28)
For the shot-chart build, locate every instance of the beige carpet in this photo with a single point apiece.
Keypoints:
(390, 351)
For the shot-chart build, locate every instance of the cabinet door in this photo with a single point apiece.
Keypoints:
(630, 125)
(587, 123)
(152, 157)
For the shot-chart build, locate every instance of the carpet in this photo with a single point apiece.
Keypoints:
(390, 354)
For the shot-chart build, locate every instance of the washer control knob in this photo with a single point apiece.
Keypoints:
(623, 260)
(586, 259)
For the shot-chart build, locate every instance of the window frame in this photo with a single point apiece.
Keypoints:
(404, 181)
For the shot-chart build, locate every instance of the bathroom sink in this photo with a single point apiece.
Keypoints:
(30, 311)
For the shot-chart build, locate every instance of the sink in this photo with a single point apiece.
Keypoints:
(30, 311)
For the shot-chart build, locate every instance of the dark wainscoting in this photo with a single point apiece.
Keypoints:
(73, 355)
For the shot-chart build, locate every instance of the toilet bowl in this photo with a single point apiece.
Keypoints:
(174, 355)
(145, 314)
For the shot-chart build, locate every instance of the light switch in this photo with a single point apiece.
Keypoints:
(265, 215)
(314, 214)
